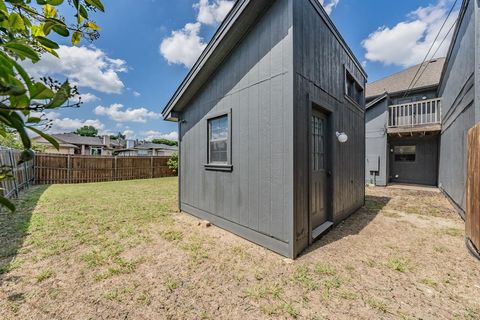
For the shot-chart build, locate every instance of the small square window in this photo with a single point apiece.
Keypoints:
(405, 153)
(95, 151)
(353, 89)
(219, 140)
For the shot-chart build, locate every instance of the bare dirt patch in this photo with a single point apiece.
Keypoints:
(122, 251)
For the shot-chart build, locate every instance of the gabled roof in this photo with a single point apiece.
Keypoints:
(243, 15)
(399, 82)
(75, 139)
(376, 100)
(150, 145)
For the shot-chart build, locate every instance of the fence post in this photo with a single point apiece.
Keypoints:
(115, 174)
(69, 169)
(25, 175)
(14, 171)
(151, 167)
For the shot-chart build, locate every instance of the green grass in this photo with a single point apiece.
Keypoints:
(44, 275)
(400, 264)
(94, 223)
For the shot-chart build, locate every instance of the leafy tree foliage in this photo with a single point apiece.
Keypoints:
(87, 131)
(172, 163)
(118, 136)
(165, 141)
(26, 33)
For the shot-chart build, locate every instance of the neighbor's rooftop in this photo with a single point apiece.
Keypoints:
(401, 81)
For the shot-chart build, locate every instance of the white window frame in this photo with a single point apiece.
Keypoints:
(220, 166)
(96, 148)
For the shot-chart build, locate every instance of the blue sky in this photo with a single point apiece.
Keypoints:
(146, 47)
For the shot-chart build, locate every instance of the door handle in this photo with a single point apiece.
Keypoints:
(329, 173)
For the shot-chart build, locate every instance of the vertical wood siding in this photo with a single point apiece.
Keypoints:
(255, 83)
(458, 91)
(319, 77)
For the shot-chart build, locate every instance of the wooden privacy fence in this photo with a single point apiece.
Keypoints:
(472, 219)
(23, 174)
(50, 169)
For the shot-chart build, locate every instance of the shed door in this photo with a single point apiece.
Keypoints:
(318, 170)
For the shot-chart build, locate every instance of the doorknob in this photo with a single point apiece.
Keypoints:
(329, 173)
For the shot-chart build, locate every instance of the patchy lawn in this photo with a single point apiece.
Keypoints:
(120, 250)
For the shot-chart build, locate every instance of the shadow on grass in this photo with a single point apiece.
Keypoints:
(14, 227)
(353, 224)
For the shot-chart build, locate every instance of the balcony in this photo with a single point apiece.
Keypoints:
(415, 117)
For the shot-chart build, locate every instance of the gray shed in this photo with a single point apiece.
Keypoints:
(261, 117)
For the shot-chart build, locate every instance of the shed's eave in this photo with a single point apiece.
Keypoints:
(243, 15)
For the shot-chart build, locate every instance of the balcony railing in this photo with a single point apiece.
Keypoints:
(415, 114)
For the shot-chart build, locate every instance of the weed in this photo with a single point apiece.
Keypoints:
(44, 275)
(122, 267)
(453, 232)
(348, 295)
(302, 276)
(117, 293)
(170, 283)
(429, 282)
(398, 264)
(195, 248)
(172, 235)
(290, 309)
(325, 269)
(377, 304)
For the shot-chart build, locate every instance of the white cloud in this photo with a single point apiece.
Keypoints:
(116, 112)
(407, 42)
(213, 13)
(85, 98)
(183, 46)
(84, 66)
(136, 93)
(152, 134)
(62, 125)
(329, 5)
(130, 134)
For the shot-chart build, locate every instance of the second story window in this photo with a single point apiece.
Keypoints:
(353, 89)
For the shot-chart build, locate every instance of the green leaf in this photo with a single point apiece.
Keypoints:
(15, 22)
(92, 25)
(40, 91)
(97, 4)
(61, 96)
(47, 42)
(22, 73)
(61, 29)
(76, 37)
(46, 137)
(83, 12)
(55, 2)
(7, 204)
(49, 11)
(25, 156)
(34, 120)
(13, 119)
(19, 101)
(22, 50)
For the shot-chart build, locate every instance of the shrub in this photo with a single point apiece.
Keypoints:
(173, 162)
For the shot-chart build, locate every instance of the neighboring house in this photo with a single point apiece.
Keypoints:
(71, 143)
(261, 116)
(403, 127)
(424, 139)
(148, 149)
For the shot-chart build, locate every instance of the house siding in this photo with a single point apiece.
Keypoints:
(254, 83)
(376, 143)
(459, 108)
(319, 78)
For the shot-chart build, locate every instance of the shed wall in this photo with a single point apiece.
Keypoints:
(319, 77)
(458, 108)
(255, 82)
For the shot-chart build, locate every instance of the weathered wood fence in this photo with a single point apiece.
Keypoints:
(472, 218)
(51, 168)
(23, 174)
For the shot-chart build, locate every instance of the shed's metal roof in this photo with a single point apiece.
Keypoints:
(399, 82)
